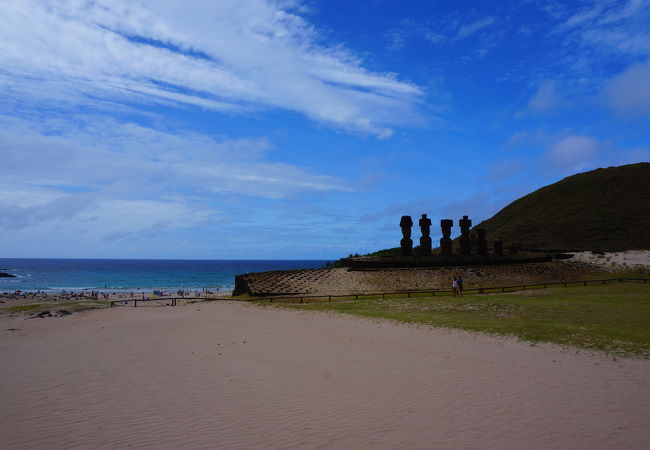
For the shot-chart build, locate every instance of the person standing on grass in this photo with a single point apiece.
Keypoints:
(454, 286)
(459, 282)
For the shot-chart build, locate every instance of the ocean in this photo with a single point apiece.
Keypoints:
(55, 275)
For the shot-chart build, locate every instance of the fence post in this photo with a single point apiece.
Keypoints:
(356, 297)
(300, 299)
(329, 298)
(135, 303)
(383, 295)
(408, 294)
(433, 293)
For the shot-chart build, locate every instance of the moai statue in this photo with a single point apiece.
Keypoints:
(498, 247)
(465, 242)
(406, 243)
(445, 241)
(425, 240)
(482, 242)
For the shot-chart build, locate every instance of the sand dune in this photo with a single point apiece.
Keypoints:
(232, 375)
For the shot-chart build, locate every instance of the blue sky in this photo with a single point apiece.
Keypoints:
(255, 129)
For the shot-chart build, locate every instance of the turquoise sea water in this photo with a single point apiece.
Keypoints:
(54, 275)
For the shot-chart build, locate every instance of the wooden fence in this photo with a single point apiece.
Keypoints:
(173, 301)
(164, 301)
(434, 292)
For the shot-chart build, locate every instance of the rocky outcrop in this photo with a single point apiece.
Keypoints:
(6, 275)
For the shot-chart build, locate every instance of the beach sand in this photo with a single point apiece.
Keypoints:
(234, 375)
(616, 261)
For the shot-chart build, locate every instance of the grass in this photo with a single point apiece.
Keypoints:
(614, 318)
(603, 209)
(56, 306)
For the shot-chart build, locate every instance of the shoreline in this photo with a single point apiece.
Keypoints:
(121, 291)
(34, 302)
(118, 291)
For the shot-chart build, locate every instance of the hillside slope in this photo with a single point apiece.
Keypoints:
(604, 209)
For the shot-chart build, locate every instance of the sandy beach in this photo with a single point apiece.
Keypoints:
(235, 375)
(616, 261)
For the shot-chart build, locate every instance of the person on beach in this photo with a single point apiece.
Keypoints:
(459, 282)
(454, 286)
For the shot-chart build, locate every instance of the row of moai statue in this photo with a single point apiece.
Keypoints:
(445, 242)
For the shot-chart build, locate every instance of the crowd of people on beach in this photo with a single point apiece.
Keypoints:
(106, 295)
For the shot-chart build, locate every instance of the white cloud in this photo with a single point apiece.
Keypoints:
(474, 27)
(629, 92)
(445, 29)
(117, 179)
(545, 98)
(227, 55)
(96, 153)
(610, 26)
(572, 153)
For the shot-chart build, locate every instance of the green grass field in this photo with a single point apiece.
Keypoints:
(613, 317)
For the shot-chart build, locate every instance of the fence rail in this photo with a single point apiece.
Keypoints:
(170, 301)
(434, 292)
(303, 298)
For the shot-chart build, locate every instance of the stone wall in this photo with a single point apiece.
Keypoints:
(345, 281)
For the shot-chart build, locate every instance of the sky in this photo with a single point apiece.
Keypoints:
(291, 129)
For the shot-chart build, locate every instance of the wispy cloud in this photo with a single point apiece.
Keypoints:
(572, 153)
(446, 29)
(96, 153)
(545, 98)
(610, 27)
(629, 92)
(128, 178)
(474, 27)
(230, 55)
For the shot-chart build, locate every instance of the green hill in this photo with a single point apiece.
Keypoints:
(604, 209)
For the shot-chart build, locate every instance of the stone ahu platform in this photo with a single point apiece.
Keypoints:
(377, 280)
(384, 262)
